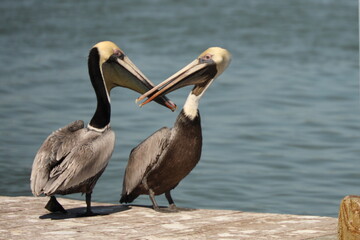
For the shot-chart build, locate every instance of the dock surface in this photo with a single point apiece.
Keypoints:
(25, 218)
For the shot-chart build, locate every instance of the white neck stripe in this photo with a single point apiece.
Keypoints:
(100, 130)
(191, 106)
(192, 103)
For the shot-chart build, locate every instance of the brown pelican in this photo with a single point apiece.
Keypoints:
(161, 161)
(72, 159)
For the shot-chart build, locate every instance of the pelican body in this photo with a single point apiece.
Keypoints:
(161, 161)
(72, 159)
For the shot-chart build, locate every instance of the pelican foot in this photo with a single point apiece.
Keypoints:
(166, 210)
(54, 206)
(179, 209)
(88, 214)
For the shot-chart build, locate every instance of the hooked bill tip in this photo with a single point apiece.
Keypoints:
(140, 98)
(169, 104)
(172, 106)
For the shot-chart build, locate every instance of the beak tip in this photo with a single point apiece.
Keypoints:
(172, 106)
(139, 104)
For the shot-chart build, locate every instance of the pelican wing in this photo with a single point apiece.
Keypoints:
(55, 147)
(88, 158)
(143, 158)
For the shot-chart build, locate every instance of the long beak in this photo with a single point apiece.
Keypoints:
(196, 72)
(123, 72)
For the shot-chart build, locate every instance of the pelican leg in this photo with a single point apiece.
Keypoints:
(170, 200)
(88, 212)
(54, 206)
(172, 204)
(156, 206)
(152, 198)
(88, 204)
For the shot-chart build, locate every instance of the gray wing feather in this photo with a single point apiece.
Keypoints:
(48, 155)
(143, 157)
(85, 161)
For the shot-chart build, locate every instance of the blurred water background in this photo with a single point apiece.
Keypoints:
(281, 125)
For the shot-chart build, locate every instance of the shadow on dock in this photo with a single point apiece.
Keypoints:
(180, 209)
(78, 212)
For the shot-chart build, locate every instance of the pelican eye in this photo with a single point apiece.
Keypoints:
(119, 54)
(206, 58)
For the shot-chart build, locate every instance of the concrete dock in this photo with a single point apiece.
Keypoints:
(26, 218)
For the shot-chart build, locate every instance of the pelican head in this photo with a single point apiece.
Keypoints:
(201, 72)
(116, 69)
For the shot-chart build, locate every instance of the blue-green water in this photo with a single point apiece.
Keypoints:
(281, 125)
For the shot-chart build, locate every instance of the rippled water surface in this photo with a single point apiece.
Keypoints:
(281, 125)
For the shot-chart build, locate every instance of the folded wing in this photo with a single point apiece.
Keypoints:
(142, 159)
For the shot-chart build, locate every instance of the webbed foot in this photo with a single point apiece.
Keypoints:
(54, 206)
(166, 210)
(179, 209)
(87, 214)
